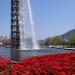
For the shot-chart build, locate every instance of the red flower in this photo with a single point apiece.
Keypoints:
(55, 64)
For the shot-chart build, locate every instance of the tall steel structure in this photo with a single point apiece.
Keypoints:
(15, 29)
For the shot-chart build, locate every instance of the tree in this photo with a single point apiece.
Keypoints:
(71, 41)
(55, 41)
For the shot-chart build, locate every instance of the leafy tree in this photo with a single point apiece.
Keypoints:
(71, 41)
(55, 41)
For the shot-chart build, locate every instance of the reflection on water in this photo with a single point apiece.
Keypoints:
(5, 52)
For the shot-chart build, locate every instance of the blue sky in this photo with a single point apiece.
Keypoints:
(52, 17)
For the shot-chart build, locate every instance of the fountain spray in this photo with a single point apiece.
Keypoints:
(21, 24)
(35, 43)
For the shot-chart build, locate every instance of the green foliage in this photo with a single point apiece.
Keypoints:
(55, 41)
(59, 41)
(71, 41)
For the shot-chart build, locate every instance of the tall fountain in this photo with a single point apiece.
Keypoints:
(22, 10)
(21, 24)
(34, 40)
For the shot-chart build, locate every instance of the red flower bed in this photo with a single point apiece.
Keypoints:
(56, 64)
(4, 65)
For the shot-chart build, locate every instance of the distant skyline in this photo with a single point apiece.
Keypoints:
(51, 17)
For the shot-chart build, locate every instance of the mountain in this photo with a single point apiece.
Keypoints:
(68, 34)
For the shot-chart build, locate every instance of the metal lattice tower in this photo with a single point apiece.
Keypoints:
(15, 29)
(17, 25)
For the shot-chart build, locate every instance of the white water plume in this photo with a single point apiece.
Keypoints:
(22, 16)
(35, 43)
(21, 24)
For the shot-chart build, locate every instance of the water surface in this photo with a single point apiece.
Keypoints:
(5, 52)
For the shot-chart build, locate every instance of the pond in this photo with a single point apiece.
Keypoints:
(5, 52)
